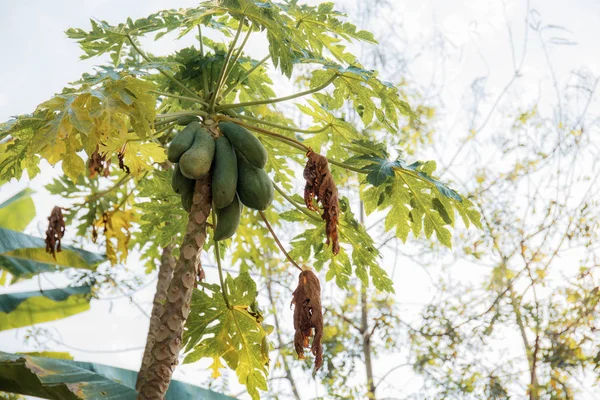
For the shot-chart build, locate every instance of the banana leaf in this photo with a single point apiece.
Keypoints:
(69, 380)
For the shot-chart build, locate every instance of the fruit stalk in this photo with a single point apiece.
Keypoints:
(165, 351)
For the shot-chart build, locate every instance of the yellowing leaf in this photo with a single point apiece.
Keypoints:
(117, 230)
(73, 166)
(139, 157)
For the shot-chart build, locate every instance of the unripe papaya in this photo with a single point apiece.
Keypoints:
(182, 141)
(245, 143)
(224, 174)
(186, 200)
(228, 219)
(196, 161)
(185, 120)
(254, 187)
(180, 183)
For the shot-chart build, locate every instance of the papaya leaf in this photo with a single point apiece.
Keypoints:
(80, 119)
(25, 256)
(157, 200)
(357, 249)
(419, 202)
(233, 333)
(65, 379)
(29, 308)
(18, 211)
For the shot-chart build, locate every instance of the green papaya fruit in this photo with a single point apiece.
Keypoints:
(228, 219)
(254, 187)
(186, 200)
(185, 120)
(196, 161)
(245, 143)
(182, 141)
(224, 174)
(180, 183)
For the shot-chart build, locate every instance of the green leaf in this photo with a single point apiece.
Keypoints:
(419, 202)
(234, 334)
(357, 249)
(64, 379)
(24, 256)
(30, 308)
(18, 211)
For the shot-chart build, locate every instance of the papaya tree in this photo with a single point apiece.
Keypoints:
(180, 154)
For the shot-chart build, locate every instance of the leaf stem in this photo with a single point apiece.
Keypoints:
(283, 127)
(195, 100)
(292, 202)
(180, 114)
(218, 257)
(279, 99)
(237, 55)
(169, 76)
(215, 95)
(346, 166)
(290, 259)
(98, 195)
(246, 75)
(204, 76)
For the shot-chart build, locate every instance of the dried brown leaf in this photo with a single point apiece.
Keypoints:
(320, 184)
(55, 231)
(97, 164)
(308, 315)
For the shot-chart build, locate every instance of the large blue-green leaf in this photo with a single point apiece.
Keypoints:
(28, 308)
(24, 255)
(64, 379)
(18, 211)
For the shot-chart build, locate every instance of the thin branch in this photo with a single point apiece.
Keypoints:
(286, 367)
(290, 259)
(392, 370)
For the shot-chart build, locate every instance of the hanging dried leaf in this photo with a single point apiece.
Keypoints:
(308, 314)
(98, 164)
(121, 157)
(320, 184)
(55, 231)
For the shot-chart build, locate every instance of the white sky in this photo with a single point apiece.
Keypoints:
(38, 60)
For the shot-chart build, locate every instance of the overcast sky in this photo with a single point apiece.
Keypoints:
(37, 61)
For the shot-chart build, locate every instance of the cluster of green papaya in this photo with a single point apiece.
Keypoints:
(236, 159)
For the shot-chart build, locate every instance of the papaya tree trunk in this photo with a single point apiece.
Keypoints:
(165, 274)
(168, 336)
